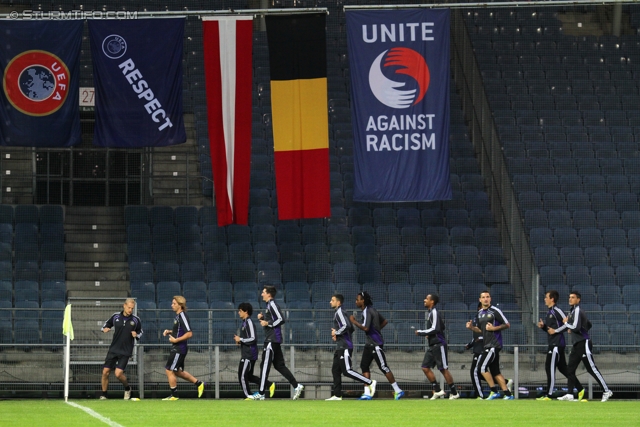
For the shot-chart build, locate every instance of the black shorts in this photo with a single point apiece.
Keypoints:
(114, 361)
(489, 361)
(175, 362)
(436, 356)
(371, 353)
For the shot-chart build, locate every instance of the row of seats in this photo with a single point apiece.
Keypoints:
(294, 271)
(570, 165)
(453, 219)
(597, 275)
(31, 214)
(610, 238)
(31, 290)
(459, 231)
(301, 292)
(32, 270)
(590, 184)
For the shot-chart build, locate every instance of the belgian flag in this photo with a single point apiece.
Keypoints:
(297, 55)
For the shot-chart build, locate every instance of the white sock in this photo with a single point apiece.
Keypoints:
(367, 392)
(396, 388)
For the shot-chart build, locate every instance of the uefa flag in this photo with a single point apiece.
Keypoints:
(137, 71)
(298, 65)
(40, 63)
(67, 326)
(228, 69)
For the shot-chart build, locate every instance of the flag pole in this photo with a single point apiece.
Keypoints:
(67, 361)
(67, 330)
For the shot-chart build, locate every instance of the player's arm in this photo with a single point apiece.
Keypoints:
(250, 332)
(106, 327)
(276, 316)
(184, 337)
(472, 325)
(137, 333)
(355, 323)
(432, 329)
(366, 321)
(342, 322)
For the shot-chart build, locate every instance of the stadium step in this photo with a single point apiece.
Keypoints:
(96, 252)
(176, 176)
(17, 180)
(97, 289)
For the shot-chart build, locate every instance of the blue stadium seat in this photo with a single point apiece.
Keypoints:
(220, 291)
(136, 215)
(615, 313)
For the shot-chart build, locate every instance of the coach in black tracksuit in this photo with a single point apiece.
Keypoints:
(557, 343)
(128, 329)
(578, 326)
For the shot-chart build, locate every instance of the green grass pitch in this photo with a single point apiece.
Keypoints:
(276, 412)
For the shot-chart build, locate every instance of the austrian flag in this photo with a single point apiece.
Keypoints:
(228, 73)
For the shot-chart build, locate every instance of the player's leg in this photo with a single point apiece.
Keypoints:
(484, 361)
(105, 381)
(120, 375)
(193, 380)
(549, 368)
(251, 377)
(244, 376)
(280, 366)
(336, 372)
(365, 366)
(442, 363)
(348, 371)
(109, 365)
(174, 363)
(562, 362)
(476, 376)
(591, 367)
(428, 363)
(381, 360)
(572, 380)
(267, 360)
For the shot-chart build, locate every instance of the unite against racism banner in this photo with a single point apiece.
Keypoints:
(298, 66)
(228, 68)
(40, 62)
(137, 71)
(399, 63)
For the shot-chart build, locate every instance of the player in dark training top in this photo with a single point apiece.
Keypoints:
(437, 354)
(491, 322)
(557, 344)
(341, 334)
(248, 350)
(372, 324)
(272, 321)
(178, 336)
(582, 350)
(127, 330)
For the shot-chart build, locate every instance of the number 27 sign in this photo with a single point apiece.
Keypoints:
(87, 97)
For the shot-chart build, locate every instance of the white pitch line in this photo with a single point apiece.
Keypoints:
(94, 414)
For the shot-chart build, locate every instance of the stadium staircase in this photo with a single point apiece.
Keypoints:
(176, 173)
(96, 252)
(16, 163)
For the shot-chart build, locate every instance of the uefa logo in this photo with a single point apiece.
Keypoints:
(399, 77)
(114, 46)
(36, 82)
